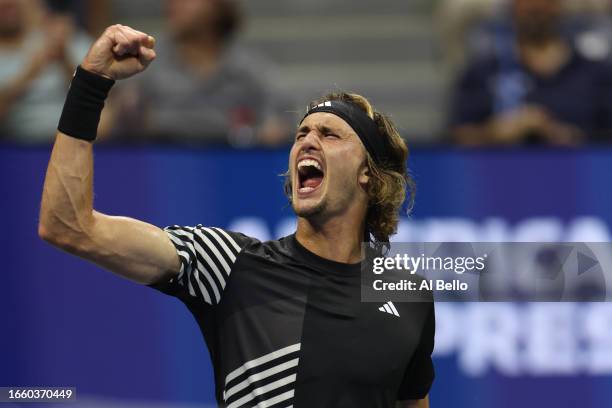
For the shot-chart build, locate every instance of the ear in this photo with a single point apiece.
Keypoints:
(364, 176)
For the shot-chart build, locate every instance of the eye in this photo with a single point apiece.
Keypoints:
(332, 135)
(300, 136)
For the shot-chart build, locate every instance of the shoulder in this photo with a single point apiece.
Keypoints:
(274, 250)
(212, 236)
(477, 71)
(207, 256)
(228, 242)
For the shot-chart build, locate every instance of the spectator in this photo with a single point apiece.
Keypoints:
(203, 88)
(537, 87)
(38, 54)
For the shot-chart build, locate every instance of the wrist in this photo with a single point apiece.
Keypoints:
(90, 68)
(84, 104)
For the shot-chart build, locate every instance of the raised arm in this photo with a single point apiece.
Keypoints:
(133, 249)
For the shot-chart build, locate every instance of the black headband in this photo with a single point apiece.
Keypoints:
(362, 124)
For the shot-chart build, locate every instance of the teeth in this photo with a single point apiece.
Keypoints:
(309, 162)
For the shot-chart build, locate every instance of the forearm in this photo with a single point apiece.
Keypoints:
(66, 214)
(66, 217)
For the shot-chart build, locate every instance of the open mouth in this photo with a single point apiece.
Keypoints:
(310, 175)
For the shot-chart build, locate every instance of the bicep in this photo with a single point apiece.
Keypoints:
(133, 249)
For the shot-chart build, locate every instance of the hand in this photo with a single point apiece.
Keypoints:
(120, 52)
(513, 126)
(563, 134)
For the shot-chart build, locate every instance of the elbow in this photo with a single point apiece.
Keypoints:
(44, 232)
(57, 239)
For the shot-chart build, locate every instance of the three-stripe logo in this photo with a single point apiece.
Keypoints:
(389, 307)
(264, 381)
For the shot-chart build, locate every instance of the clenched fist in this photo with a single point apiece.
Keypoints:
(120, 52)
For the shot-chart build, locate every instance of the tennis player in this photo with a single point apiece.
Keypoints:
(283, 320)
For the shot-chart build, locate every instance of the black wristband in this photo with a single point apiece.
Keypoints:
(84, 103)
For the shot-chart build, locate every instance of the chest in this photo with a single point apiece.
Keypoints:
(368, 349)
(571, 95)
(343, 341)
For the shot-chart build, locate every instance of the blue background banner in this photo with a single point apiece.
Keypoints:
(65, 322)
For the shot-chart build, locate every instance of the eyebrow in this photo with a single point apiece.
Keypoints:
(320, 128)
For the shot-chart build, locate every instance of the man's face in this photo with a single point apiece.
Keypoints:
(188, 17)
(11, 17)
(327, 166)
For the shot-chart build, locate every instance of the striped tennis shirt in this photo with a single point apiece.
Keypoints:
(287, 328)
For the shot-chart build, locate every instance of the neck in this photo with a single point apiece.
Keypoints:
(337, 239)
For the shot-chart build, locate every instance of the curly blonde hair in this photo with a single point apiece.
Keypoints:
(390, 184)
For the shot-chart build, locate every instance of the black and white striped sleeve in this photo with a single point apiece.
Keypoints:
(207, 255)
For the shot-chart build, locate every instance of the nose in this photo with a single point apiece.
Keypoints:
(310, 142)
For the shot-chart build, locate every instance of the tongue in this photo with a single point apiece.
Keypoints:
(312, 182)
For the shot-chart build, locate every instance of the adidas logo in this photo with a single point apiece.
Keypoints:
(389, 307)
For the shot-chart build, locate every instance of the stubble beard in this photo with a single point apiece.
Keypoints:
(312, 211)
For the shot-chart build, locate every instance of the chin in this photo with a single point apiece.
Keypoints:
(308, 210)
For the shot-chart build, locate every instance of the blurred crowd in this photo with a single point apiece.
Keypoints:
(201, 89)
(517, 72)
(539, 75)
